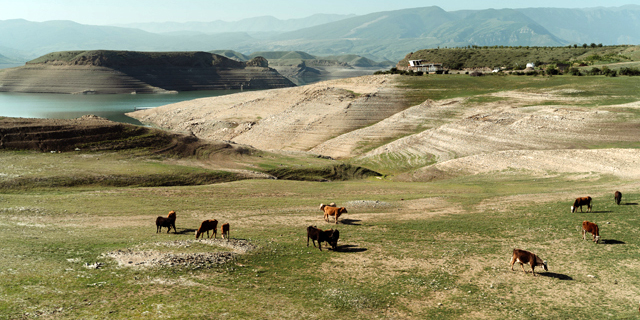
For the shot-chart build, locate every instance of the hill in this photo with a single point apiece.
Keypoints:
(264, 24)
(518, 57)
(379, 36)
(103, 71)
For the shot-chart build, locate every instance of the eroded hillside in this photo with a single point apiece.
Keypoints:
(369, 121)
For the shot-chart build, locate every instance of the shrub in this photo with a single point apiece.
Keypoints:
(594, 71)
(627, 71)
(575, 72)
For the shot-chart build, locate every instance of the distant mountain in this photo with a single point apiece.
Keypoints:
(388, 35)
(400, 24)
(6, 60)
(251, 25)
(37, 38)
(235, 55)
(592, 25)
(282, 55)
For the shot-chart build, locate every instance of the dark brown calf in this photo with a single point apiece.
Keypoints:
(206, 226)
(225, 230)
(168, 222)
(591, 228)
(617, 196)
(523, 256)
(584, 201)
(330, 236)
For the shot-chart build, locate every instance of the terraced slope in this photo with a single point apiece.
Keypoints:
(295, 119)
(369, 121)
(136, 72)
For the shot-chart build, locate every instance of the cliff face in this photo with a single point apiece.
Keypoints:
(141, 72)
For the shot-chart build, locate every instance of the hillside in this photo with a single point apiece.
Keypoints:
(518, 57)
(370, 120)
(606, 25)
(304, 68)
(104, 71)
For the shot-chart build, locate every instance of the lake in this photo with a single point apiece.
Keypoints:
(110, 106)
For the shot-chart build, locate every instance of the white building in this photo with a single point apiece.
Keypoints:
(424, 66)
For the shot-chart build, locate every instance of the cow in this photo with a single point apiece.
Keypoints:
(583, 201)
(591, 228)
(224, 228)
(617, 196)
(207, 225)
(168, 222)
(330, 236)
(523, 256)
(332, 211)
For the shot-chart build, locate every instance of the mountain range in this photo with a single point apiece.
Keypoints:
(388, 35)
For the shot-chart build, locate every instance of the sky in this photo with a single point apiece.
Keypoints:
(111, 12)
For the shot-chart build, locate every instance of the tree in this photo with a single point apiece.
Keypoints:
(584, 45)
(593, 45)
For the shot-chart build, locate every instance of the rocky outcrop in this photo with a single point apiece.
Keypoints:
(103, 71)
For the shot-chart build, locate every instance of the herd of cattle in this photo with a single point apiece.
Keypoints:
(207, 225)
(331, 236)
(525, 257)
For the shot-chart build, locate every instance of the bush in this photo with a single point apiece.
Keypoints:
(594, 71)
(575, 72)
(627, 71)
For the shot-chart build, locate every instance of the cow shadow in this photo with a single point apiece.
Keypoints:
(349, 248)
(188, 231)
(351, 222)
(558, 276)
(611, 241)
(603, 211)
(631, 204)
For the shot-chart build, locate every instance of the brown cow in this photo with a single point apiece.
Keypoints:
(168, 222)
(225, 230)
(523, 256)
(206, 226)
(330, 236)
(583, 201)
(332, 211)
(591, 228)
(617, 196)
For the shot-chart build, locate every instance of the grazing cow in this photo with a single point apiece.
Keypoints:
(523, 256)
(332, 211)
(617, 197)
(584, 201)
(225, 231)
(168, 222)
(591, 228)
(206, 226)
(330, 236)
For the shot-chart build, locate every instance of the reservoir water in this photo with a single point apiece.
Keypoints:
(110, 106)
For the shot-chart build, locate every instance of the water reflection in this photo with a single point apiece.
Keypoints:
(110, 106)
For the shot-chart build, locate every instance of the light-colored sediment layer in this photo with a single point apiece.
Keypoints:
(297, 118)
(623, 163)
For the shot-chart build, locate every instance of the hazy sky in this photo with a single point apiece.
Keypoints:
(129, 11)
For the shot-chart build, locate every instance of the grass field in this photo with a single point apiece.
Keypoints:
(436, 250)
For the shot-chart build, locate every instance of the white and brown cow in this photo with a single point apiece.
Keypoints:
(591, 228)
(523, 256)
(583, 201)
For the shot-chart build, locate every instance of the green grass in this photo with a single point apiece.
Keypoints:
(603, 90)
(396, 266)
